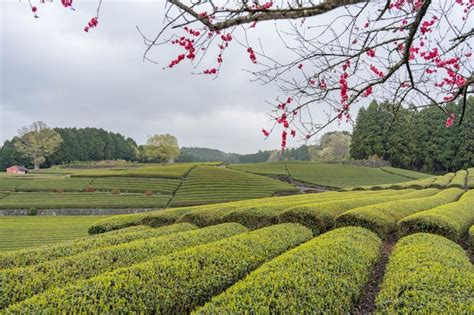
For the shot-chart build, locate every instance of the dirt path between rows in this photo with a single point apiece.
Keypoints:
(366, 303)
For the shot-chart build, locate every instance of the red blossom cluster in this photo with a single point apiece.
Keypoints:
(92, 23)
(210, 71)
(368, 91)
(67, 3)
(371, 53)
(252, 56)
(378, 72)
(265, 6)
(450, 120)
(188, 45)
(323, 85)
(265, 132)
(191, 31)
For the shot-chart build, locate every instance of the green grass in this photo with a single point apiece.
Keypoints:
(207, 184)
(26, 232)
(340, 176)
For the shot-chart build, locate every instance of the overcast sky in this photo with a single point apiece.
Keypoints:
(51, 70)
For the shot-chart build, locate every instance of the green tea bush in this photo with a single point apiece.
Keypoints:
(132, 184)
(451, 220)
(382, 218)
(173, 284)
(21, 283)
(33, 256)
(459, 180)
(404, 173)
(81, 200)
(116, 222)
(53, 183)
(414, 184)
(260, 215)
(323, 276)
(442, 181)
(322, 217)
(427, 274)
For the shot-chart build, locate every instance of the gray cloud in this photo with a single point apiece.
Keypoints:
(53, 71)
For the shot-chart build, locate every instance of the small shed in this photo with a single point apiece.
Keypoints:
(16, 169)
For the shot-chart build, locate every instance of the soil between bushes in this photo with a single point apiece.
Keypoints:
(366, 303)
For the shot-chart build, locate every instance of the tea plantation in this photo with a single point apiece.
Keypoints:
(388, 248)
(311, 253)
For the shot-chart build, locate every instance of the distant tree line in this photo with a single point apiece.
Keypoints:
(78, 144)
(418, 140)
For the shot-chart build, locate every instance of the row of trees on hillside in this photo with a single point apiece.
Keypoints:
(38, 145)
(415, 139)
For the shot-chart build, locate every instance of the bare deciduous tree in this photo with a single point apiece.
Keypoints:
(410, 52)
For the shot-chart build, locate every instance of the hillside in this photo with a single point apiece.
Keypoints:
(143, 187)
(323, 248)
(335, 176)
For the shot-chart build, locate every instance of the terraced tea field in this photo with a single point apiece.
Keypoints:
(331, 175)
(154, 186)
(207, 184)
(314, 253)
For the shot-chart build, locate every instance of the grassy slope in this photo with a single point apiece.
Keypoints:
(24, 232)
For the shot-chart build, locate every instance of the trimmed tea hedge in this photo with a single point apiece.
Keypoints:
(116, 222)
(442, 181)
(38, 255)
(382, 218)
(173, 284)
(323, 276)
(405, 173)
(125, 184)
(260, 215)
(82, 200)
(54, 183)
(451, 220)
(414, 184)
(322, 217)
(219, 213)
(21, 283)
(427, 274)
(459, 180)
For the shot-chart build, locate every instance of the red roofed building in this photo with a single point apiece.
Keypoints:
(15, 169)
